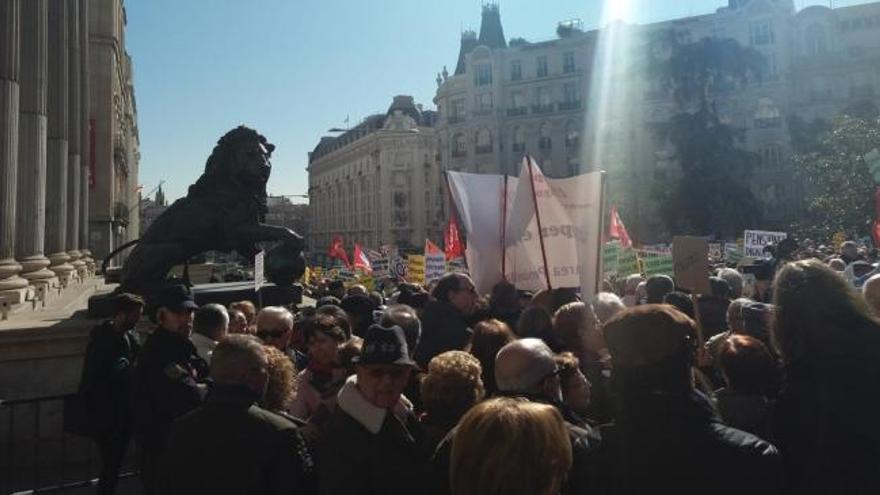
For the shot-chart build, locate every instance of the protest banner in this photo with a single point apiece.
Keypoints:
(627, 262)
(690, 263)
(716, 251)
(754, 242)
(368, 282)
(415, 270)
(456, 265)
(610, 253)
(380, 267)
(657, 263)
(435, 266)
(397, 267)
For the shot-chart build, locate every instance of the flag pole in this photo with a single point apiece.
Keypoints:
(504, 231)
(538, 218)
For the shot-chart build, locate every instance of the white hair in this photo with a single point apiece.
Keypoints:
(871, 291)
(276, 312)
(607, 304)
(522, 365)
(734, 279)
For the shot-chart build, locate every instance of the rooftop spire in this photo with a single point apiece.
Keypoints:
(468, 43)
(491, 32)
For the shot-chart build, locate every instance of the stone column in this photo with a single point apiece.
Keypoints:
(31, 222)
(85, 142)
(74, 121)
(57, 143)
(13, 288)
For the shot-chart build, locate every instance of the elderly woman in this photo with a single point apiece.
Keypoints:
(488, 338)
(825, 422)
(317, 385)
(450, 388)
(510, 447)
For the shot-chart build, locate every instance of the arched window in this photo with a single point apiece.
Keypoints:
(484, 141)
(572, 135)
(816, 41)
(459, 145)
(519, 139)
(544, 141)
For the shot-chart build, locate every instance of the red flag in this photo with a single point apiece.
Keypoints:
(452, 240)
(337, 250)
(616, 229)
(361, 260)
(431, 248)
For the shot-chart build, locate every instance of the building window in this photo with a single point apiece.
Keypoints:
(570, 97)
(541, 64)
(483, 74)
(544, 141)
(771, 156)
(519, 139)
(761, 33)
(483, 102)
(572, 135)
(517, 104)
(568, 62)
(484, 141)
(767, 114)
(459, 146)
(542, 98)
(515, 70)
(573, 166)
(456, 110)
(816, 41)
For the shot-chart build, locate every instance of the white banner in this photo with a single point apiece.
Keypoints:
(259, 271)
(435, 266)
(754, 242)
(570, 214)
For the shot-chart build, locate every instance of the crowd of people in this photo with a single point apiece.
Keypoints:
(762, 385)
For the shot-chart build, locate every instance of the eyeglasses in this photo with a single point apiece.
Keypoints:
(393, 373)
(270, 334)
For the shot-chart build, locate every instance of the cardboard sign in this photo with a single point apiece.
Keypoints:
(435, 266)
(380, 267)
(259, 271)
(628, 262)
(655, 263)
(690, 258)
(754, 242)
(610, 253)
(397, 267)
(415, 271)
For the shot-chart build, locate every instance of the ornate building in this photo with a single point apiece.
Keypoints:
(542, 98)
(68, 141)
(377, 183)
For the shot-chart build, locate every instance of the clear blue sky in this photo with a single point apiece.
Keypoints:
(295, 68)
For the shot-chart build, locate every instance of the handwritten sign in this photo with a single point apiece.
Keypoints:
(690, 256)
(756, 240)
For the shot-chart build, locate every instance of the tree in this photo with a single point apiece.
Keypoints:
(840, 186)
(712, 194)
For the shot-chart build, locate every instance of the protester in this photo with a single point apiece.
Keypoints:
(510, 446)
(373, 443)
(359, 309)
(210, 324)
(553, 299)
(237, 322)
(169, 377)
(444, 321)
(666, 437)
(451, 387)
(630, 285)
(871, 293)
(357, 290)
(735, 325)
(837, 264)
(489, 337)
(280, 382)
(105, 385)
(607, 304)
(249, 311)
(656, 288)
(504, 303)
(536, 323)
(750, 374)
(318, 384)
(680, 301)
(734, 280)
(231, 445)
(825, 420)
(577, 330)
(336, 288)
(340, 315)
(849, 252)
(275, 327)
(574, 385)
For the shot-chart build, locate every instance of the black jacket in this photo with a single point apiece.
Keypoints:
(665, 444)
(582, 478)
(105, 385)
(443, 329)
(231, 446)
(357, 460)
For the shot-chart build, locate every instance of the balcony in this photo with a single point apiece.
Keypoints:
(516, 112)
(483, 111)
(569, 105)
(482, 150)
(459, 154)
(539, 109)
(456, 119)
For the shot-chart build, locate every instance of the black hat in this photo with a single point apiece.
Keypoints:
(384, 345)
(358, 305)
(176, 298)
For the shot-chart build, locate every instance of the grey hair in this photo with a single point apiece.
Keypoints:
(607, 304)
(235, 356)
(734, 279)
(407, 319)
(279, 312)
(735, 320)
(522, 365)
(210, 319)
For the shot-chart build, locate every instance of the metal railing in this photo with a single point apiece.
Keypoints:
(37, 455)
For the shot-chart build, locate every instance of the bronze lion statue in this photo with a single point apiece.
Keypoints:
(223, 211)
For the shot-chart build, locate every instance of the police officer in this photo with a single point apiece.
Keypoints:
(105, 386)
(169, 377)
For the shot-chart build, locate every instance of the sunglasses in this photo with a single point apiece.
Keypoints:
(270, 334)
(393, 373)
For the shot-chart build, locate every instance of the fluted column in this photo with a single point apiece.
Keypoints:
(13, 288)
(57, 144)
(85, 142)
(31, 219)
(74, 121)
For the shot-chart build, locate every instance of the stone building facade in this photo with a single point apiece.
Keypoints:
(286, 213)
(543, 99)
(53, 87)
(377, 183)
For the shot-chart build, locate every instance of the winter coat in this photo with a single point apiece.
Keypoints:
(443, 329)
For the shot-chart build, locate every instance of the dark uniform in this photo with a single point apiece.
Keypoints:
(169, 380)
(105, 388)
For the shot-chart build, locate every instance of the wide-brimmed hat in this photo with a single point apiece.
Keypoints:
(384, 345)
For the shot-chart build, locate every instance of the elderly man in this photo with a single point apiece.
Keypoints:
(230, 445)
(656, 288)
(607, 304)
(210, 324)
(168, 377)
(373, 443)
(667, 438)
(275, 327)
(871, 291)
(527, 368)
(445, 318)
(408, 320)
